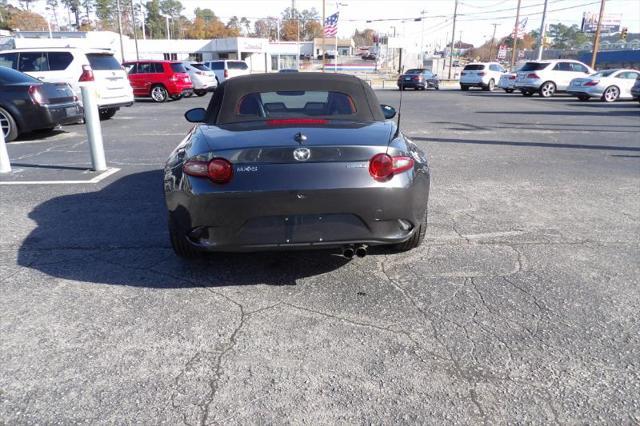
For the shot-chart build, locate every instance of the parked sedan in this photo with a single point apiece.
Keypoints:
(295, 161)
(607, 85)
(507, 82)
(418, 79)
(28, 104)
(635, 90)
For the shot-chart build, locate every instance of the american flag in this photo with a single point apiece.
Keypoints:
(331, 25)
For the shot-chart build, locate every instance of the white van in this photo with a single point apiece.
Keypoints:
(73, 66)
(225, 68)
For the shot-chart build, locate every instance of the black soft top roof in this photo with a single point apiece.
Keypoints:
(224, 101)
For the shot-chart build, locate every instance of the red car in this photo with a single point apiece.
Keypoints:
(160, 80)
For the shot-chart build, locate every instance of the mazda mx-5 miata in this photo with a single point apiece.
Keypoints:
(295, 161)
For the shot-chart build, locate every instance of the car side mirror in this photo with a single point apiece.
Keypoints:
(196, 115)
(388, 111)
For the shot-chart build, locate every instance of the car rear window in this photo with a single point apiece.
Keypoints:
(237, 65)
(474, 67)
(414, 71)
(102, 62)
(59, 61)
(176, 67)
(10, 76)
(219, 65)
(200, 67)
(295, 104)
(601, 74)
(533, 66)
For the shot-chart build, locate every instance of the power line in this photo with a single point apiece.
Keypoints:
(530, 14)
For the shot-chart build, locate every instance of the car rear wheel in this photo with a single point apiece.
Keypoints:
(179, 242)
(508, 90)
(583, 98)
(527, 93)
(547, 89)
(464, 88)
(200, 92)
(490, 86)
(8, 125)
(159, 94)
(611, 94)
(176, 97)
(417, 238)
(107, 113)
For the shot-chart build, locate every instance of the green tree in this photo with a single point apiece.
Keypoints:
(155, 22)
(565, 37)
(106, 14)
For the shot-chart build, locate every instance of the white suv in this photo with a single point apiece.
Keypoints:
(225, 69)
(549, 77)
(203, 79)
(481, 74)
(74, 66)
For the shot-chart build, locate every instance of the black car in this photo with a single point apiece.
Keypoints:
(295, 161)
(27, 104)
(418, 79)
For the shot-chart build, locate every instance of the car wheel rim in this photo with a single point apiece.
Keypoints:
(4, 124)
(611, 94)
(157, 94)
(547, 90)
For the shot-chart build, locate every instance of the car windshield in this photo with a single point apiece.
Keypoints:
(237, 65)
(10, 76)
(295, 104)
(176, 67)
(601, 74)
(103, 62)
(533, 66)
(474, 67)
(200, 67)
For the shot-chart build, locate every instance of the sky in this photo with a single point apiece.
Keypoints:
(475, 16)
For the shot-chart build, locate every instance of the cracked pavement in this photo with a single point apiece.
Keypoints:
(521, 307)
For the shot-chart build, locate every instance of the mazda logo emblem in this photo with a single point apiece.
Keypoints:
(301, 154)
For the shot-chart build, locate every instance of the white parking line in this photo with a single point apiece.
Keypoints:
(96, 179)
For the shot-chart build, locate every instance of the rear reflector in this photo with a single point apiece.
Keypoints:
(512, 77)
(36, 95)
(218, 170)
(382, 167)
(295, 121)
(532, 75)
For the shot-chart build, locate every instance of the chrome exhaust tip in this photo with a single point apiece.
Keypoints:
(361, 251)
(348, 252)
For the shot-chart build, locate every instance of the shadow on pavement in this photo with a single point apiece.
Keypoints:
(118, 235)
(527, 144)
(621, 112)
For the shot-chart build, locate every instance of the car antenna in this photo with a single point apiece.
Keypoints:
(397, 133)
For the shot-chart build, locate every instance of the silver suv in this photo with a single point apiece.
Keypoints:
(549, 77)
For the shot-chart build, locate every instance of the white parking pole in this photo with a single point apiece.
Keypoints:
(94, 130)
(5, 164)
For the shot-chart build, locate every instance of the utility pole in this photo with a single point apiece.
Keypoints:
(324, 17)
(453, 37)
(515, 37)
(596, 40)
(493, 37)
(144, 33)
(422, 13)
(135, 33)
(543, 28)
(120, 29)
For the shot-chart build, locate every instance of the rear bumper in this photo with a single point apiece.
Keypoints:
(60, 114)
(412, 84)
(251, 221)
(585, 91)
(115, 105)
(474, 83)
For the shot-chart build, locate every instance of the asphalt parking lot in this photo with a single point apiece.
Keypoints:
(522, 306)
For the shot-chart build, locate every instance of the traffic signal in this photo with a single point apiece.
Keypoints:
(623, 33)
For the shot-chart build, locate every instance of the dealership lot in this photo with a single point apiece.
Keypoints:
(521, 306)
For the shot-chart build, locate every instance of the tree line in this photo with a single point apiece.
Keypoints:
(155, 18)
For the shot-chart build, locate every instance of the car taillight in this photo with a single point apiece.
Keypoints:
(512, 77)
(226, 73)
(382, 167)
(218, 170)
(87, 73)
(36, 95)
(173, 77)
(591, 83)
(532, 75)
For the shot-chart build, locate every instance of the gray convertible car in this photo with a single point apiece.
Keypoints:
(295, 161)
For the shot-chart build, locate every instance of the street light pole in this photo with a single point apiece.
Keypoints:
(422, 13)
(120, 30)
(453, 37)
(515, 37)
(135, 33)
(493, 37)
(596, 41)
(543, 27)
(324, 18)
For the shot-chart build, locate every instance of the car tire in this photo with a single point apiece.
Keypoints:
(200, 92)
(508, 90)
(464, 88)
(159, 93)
(527, 93)
(583, 98)
(547, 89)
(177, 97)
(437, 87)
(179, 242)
(8, 125)
(490, 86)
(611, 94)
(107, 113)
(416, 239)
